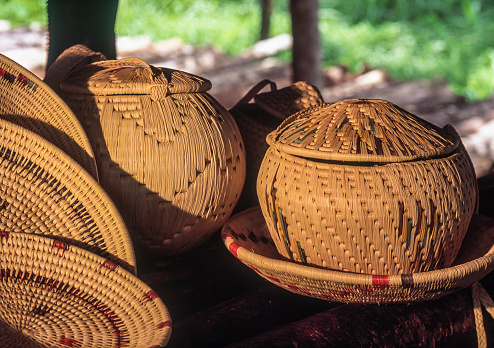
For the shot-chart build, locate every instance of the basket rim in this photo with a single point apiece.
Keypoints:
(45, 264)
(57, 113)
(425, 285)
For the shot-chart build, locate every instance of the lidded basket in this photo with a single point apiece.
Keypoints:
(170, 156)
(364, 186)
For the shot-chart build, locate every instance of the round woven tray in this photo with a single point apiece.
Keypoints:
(57, 295)
(248, 239)
(44, 191)
(29, 102)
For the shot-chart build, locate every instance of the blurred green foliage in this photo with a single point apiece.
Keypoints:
(452, 39)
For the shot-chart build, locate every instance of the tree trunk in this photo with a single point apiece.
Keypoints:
(306, 51)
(266, 11)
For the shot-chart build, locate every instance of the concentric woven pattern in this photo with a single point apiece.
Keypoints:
(57, 295)
(44, 191)
(247, 237)
(170, 156)
(286, 101)
(388, 219)
(361, 130)
(27, 101)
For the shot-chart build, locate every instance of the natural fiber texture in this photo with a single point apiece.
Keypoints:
(170, 156)
(256, 120)
(44, 191)
(481, 298)
(27, 101)
(72, 58)
(327, 204)
(57, 295)
(247, 237)
(289, 100)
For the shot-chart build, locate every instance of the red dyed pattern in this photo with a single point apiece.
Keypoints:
(163, 325)
(4, 234)
(108, 265)
(69, 342)
(59, 246)
(380, 281)
(150, 296)
(234, 249)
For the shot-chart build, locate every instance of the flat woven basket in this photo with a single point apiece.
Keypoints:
(256, 120)
(170, 156)
(248, 238)
(58, 295)
(27, 101)
(44, 191)
(364, 186)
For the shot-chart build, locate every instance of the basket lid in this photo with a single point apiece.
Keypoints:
(131, 76)
(362, 130)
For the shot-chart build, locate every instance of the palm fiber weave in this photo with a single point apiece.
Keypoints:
(44, 191)
(248, 238)
(364, 186)
(256, 120)
(170, 156)
(57, 295)
(27, 101)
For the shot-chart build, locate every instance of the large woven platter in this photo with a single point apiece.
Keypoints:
(28, 101)
(44, 191)
(247, 237)
(54, 294)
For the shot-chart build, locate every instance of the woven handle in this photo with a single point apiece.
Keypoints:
(255, 90)
(70, 59)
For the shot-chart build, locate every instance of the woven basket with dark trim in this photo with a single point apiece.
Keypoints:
(27, 101)
(44, 191)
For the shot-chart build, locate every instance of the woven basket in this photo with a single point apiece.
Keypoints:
(256, 120)
(27, 101)
(58, 295)
(248, 238)
(44, 191)
(170, 156)
(363, 186)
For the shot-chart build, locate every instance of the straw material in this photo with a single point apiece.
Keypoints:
(44, 191)
(57, 295)
(363, 186)
(256, 120)
(247, 237)
(170, 156)
(27, 101)
(289, 100)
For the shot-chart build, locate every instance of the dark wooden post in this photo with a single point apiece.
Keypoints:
(266, 11)
(306, 51)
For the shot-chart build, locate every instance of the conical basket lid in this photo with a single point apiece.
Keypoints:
(361, 130)
(29, 102)
(131, 76)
